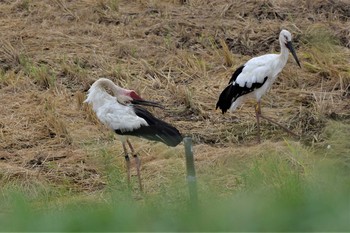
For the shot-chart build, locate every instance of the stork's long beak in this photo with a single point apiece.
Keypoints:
(147, 103)
(291, 49)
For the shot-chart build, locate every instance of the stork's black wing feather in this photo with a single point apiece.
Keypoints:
(235, 74)
(157, 130)
(232, 92)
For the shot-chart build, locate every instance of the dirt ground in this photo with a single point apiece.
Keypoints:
(181, 54)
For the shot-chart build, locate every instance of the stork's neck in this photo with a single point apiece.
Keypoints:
(104, 83)
(284, 54)
(98, 95)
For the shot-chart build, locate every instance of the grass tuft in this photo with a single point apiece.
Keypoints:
(229, 61)
(56, 127)
(325, 57)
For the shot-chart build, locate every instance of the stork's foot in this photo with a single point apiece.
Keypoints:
(258, 138)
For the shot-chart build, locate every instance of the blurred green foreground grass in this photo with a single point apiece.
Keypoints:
(304, 194)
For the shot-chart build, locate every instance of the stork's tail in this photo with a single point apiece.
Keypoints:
(225, 99)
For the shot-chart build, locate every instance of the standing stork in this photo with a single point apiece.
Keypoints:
(254, 79)
(122, 113)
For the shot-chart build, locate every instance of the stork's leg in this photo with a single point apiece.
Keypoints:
(127, 161)
(272, 121)
(278, 124)
(257, 114)
(138, 163)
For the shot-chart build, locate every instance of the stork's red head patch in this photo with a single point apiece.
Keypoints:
(134, 96)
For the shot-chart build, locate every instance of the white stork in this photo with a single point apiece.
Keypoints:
(254, 79)
(125, 117)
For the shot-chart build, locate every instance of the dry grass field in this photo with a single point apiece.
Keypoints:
(181, 54)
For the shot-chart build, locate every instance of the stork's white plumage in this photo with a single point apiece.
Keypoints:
(122, 113)
(255, 77)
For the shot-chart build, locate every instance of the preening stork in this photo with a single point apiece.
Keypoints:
(254, 79)
(123, 114)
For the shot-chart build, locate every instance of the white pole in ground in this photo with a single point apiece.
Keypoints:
(191, 172)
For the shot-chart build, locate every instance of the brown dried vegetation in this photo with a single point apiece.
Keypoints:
(180, 53)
